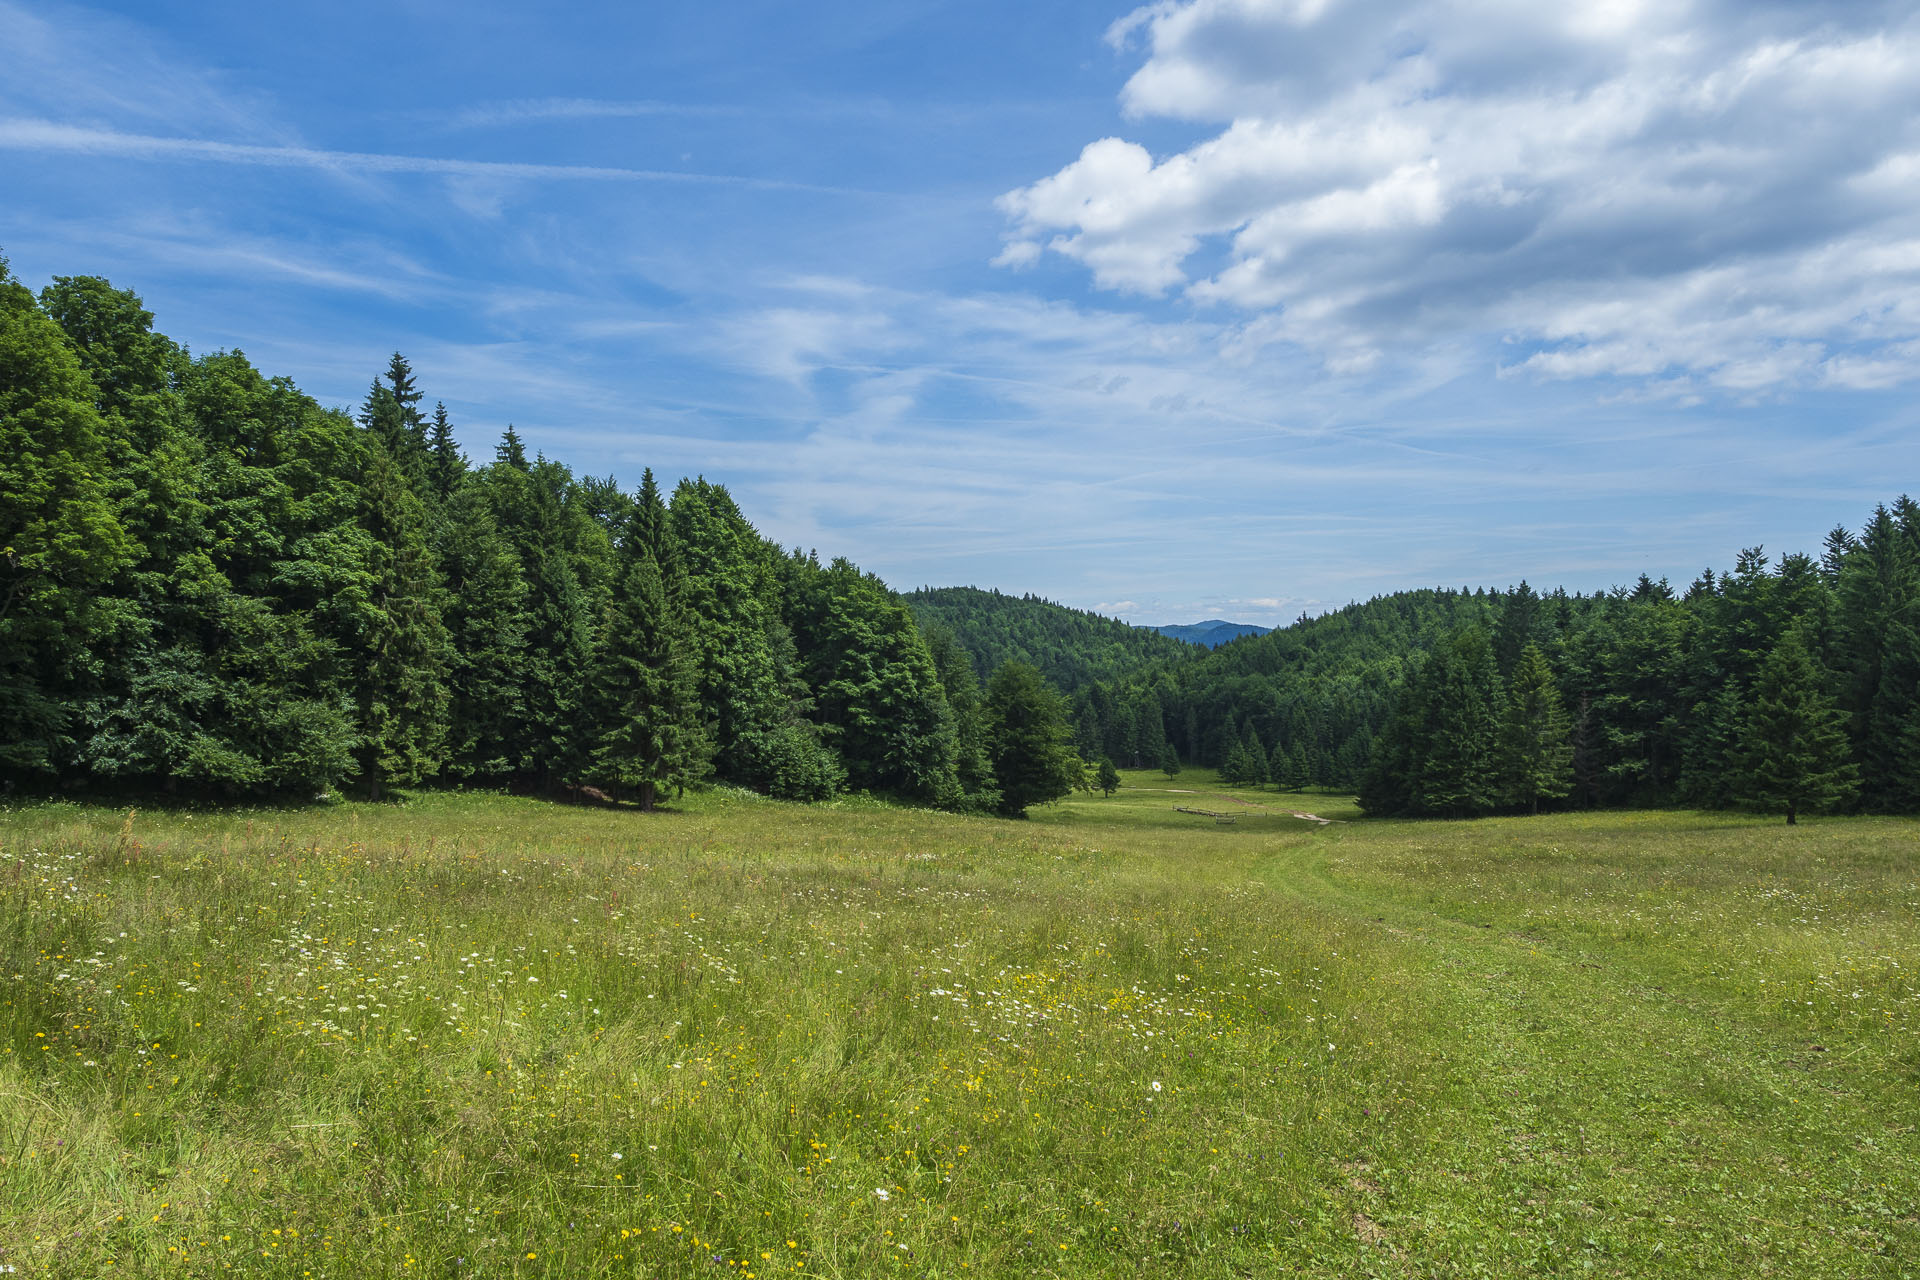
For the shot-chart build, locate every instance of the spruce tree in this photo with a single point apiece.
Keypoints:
(402, 692)
(1878, 614)
(511, 452)
(647, 735)
(446, 465)
(1537, 760)
(1519, 619)
(727, 597)
(1108, 779)
(973, 765)
(1299, 766)
(1280, 768)
(410, 448)
(1457, 775)
(1233, 766)
(1170, 761)
(488, 620)
(1255, 757)
(547, 745)
(1796, 749)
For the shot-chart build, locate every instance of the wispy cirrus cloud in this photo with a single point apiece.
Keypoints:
(26, 134)
(517, 111)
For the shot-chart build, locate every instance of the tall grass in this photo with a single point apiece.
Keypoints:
(478, 1035)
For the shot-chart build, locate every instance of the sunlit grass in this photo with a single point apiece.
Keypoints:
(478, 1035)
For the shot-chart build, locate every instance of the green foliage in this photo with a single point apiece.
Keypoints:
(1108, 777)
(796, 764)
(1029, 737)
(1536, 735)
(401, 694)
(1072, 649)
(1170, 761)
(446, 465)
(1796, 750)
(726, 591)
(879, 699)
(60, 535)
(209, 584)
(979, 792)
(1440, 756)
(647, 737)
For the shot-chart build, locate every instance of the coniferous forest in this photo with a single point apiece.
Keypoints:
(213, 586)
(210, 585)
(1790, 684)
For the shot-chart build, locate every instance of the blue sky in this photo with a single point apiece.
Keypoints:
(1229, 308)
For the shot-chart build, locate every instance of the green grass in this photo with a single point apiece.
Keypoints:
(1115, 1040)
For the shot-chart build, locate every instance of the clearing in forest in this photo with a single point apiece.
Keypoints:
(480, 1035)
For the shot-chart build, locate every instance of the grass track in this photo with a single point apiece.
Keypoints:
(409, 1040)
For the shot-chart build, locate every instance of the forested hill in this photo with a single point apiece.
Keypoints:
(210, 584)
(1070, 647)
(1792, 683)
(1319, 690)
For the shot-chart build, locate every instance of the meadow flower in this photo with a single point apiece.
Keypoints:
(1156, 1083)
(881, 1192)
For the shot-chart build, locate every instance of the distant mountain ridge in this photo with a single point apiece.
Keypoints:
(1212, 633)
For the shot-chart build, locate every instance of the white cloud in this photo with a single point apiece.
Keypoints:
(1724, 195)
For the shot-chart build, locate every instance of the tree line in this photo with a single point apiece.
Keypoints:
(1791, 684)
(211, 584)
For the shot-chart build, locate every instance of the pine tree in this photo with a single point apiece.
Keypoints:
(1233, 765)
(1255, 757)
(1796, 750)
(529, 504)
(1538, 751)
(725, 593)
(487, 618)
(1170, 761)
(510, 452)
(1149, 731)
(1280, 768)
(973, 765)
(402, 696)
(1299, 766)
(1519, 620)
(647, 735)
(1878, 614)
(1108, 778)
(446, 465)
(410, 425)
(1457, 772)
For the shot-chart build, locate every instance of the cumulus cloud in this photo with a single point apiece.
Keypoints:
(1706, 193)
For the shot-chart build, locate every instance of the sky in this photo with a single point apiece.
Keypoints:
(1211, 308)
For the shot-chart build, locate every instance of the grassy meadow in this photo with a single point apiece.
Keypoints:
(486, 1036)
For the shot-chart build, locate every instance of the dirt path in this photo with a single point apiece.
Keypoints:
(1250, 804)
(1293, 813)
